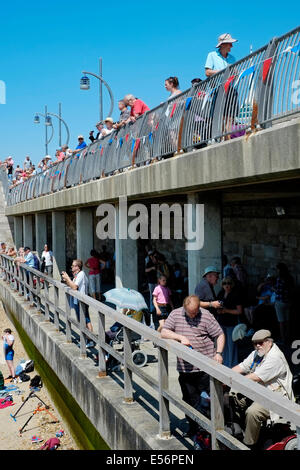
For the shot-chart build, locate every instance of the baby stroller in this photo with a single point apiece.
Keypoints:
(115, 337)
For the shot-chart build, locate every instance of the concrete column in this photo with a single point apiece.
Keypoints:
(40, 232)
(85, 233)
(58, 243)
(18, 232)
(126, 251)
(28, 231)
(210, 230)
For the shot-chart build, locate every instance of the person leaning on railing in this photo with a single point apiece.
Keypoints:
(197, 328)
(266, 365)
(79, 283)
(138, 107)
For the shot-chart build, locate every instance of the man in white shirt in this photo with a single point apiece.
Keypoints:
(79, 282)
(268, 366)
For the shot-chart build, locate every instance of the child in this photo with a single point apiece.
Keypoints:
(162, 301)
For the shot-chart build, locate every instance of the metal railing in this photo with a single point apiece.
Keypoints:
(28, 282)
(253, 92)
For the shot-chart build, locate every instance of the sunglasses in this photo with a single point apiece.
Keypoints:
(258, 342)
(227, 284)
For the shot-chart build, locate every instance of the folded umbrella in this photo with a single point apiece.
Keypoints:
(124, 297)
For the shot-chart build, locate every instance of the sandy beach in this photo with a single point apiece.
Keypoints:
(42, 423)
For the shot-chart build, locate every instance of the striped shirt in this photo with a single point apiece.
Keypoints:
(200, 331)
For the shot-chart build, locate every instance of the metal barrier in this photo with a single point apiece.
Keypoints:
(28, 281)
(253, 92)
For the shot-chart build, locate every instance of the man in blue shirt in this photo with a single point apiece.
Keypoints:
(81, 142)
(28, 257)
(220, 59)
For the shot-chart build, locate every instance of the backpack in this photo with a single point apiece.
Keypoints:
(36, 263)
(1, 381)
(36, 382)
(29, 366)
(24, 377)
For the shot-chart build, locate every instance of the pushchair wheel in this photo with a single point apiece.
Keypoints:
(139, 358)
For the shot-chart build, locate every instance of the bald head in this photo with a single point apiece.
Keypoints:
(191, 305)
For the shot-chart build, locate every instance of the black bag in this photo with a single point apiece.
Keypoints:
(29, 367)
(24, 377)
(36, 382)
(1, 381)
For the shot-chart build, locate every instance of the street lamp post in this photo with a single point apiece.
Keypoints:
(85, 85)
(48, 122)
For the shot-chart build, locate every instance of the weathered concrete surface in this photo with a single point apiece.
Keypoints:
(123, 426)
(6, 223)
(271, 154)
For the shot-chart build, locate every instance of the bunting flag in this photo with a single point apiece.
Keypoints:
(228, 81)
(206, 96)
(100, 147)
(296, 48)
(266, 67)
(137, 144)
(247, 72)
(173, 110)
(110, 141)
(132, 145)
(156, 127)
(121, 142)
(188, 103)
(126, 137)
(102, 150)
(150, 137)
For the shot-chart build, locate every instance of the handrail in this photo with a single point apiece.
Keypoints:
(244, 97)
(21, 279)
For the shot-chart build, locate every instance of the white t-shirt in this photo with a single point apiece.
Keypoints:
(274, 372)
(48, 257)
(82, 282)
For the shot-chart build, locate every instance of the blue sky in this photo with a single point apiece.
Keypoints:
(45, 46)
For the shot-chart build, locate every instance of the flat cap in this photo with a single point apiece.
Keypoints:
(260, 335)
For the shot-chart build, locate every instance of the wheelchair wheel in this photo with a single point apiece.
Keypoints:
(291, 444)
(139, 358)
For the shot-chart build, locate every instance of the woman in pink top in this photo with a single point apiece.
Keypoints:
(162, 301)
(93, 264)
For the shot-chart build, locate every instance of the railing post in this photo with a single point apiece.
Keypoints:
(101, 351)
(68, 315)
(46, 290)
(163, 384)
(56, 304)
(217, 410)
(82, 326)
(128, 389)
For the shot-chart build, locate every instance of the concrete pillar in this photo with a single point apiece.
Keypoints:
(58, 243)
(28, 231)
(85, 233)
(210, 231)
(40, 232)
(18, 232)
(126, 251)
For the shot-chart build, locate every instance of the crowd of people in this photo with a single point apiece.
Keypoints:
(130, 108)
(207, 321)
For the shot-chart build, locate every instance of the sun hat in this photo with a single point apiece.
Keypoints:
(260, 335)
(80, 137)
(239, 332)
(210, 269)
(47, 157)
(100, 123)
(225, 38)
(109, 119)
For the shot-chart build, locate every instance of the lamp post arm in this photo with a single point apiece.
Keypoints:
(108, 89)
(67, 129)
